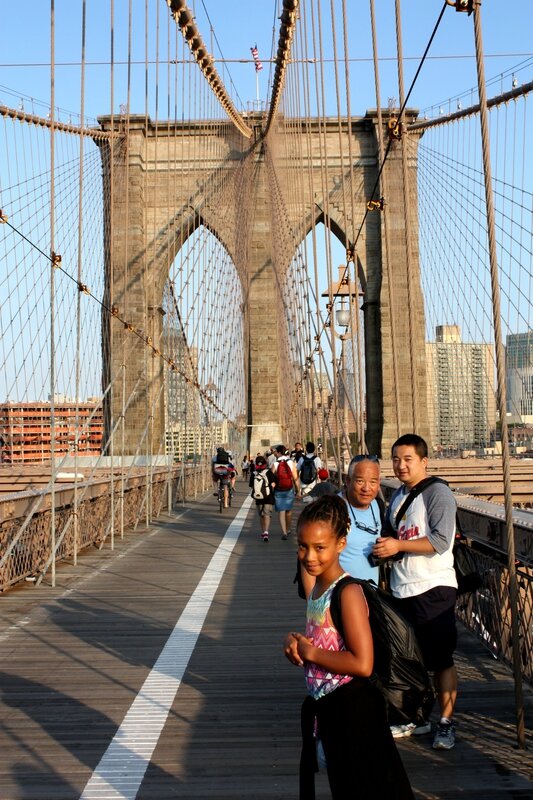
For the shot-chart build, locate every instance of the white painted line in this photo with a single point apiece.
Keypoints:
(120, 772)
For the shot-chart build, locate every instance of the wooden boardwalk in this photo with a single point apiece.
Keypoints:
(74, 659)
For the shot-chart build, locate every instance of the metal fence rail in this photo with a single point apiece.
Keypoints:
(30, 552)
(486, 612)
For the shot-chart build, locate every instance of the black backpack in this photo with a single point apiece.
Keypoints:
(222, 457)
(399, 671)
(308, 470)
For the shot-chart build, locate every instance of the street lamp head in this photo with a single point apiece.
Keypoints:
(342, 316)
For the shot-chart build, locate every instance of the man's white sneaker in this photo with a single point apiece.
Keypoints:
(421, 728)
(402, 731)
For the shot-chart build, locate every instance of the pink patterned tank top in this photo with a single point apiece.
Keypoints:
(322, 632)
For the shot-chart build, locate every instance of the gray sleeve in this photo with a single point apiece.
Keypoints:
(441, 509)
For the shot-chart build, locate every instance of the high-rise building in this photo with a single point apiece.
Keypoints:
(182, 405)
(461, 390)
(187, 441)
(519, 374)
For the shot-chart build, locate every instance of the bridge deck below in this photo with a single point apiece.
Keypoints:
(74, 659)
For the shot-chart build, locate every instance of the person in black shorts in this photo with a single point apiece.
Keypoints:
(423, 580)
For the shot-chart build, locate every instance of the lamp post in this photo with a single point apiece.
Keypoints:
(346, 290)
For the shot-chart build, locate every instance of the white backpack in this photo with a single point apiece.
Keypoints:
(261, 488)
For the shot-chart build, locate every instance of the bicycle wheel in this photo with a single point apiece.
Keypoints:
(220, 497)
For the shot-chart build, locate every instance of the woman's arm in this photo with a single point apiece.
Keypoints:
(296, 478)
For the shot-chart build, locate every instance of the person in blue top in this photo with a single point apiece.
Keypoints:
(362, 488)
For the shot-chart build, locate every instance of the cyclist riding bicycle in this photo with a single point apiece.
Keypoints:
(223, 472)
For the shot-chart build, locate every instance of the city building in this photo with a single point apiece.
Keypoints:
(195, 441)
(519, 376)
(26, 430)
(461, 391)
(182, 404)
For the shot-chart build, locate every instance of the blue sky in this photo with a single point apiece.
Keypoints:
(236, 25)
(26, 42)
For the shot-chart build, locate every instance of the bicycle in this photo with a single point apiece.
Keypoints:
(223, 494)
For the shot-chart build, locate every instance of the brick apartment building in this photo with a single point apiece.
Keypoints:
(26, 435)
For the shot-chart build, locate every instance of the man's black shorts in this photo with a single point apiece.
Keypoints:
(437, 635)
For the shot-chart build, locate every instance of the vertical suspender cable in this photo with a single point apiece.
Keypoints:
(312, 374)
(155, 302)
(327, 223)
(111, 155)
(147, 364)
(52, 295)
(78, 306)
(125, 276)
(168, 446)
(500, 372)
(407, 219)
(390, 293)
(341, 374)
(353, 302)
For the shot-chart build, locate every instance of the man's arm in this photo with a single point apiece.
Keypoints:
(387, 546)
(441, 509)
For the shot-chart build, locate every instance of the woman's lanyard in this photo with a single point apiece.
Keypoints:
(375, 530)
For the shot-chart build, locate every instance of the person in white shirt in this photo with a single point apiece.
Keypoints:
(423, 580)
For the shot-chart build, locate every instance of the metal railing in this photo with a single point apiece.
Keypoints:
(29, 552)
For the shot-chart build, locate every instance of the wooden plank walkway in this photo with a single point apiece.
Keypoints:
(73, 660)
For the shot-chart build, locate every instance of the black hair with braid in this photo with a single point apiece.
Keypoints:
(331, 509)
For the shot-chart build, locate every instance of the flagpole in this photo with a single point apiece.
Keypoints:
(257, 88)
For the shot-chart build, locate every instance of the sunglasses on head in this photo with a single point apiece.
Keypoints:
(364, 457)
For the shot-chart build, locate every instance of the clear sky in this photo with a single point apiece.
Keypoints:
(231, 27)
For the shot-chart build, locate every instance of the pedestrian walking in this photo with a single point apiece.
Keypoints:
(286, 488)
(262, 482)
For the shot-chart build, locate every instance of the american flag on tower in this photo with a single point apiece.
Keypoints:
(255, 56)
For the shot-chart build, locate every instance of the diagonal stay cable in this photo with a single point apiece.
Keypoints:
(55, 261)
(400, 115)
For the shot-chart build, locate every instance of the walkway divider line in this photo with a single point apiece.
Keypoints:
(121, 769)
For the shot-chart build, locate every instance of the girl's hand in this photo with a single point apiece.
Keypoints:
(290, 648)
(306, 648)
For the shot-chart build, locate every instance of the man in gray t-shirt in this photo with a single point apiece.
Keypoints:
(423, 580)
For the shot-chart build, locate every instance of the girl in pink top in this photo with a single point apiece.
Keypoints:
(343, 709)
